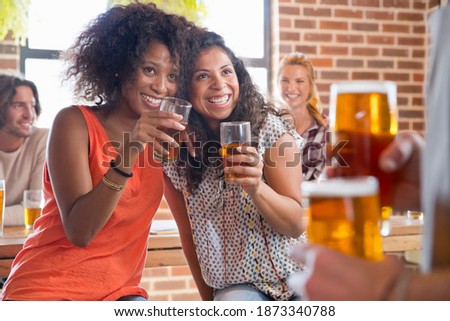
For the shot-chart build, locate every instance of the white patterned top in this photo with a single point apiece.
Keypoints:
(234, 243)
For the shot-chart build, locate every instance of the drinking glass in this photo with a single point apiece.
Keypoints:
(181, 107)
(344, 214)
(232, 135)
(32, 206)
(2, 204)
(363, 117)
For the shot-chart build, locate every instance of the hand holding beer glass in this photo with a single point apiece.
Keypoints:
(2, 204)
(32, 206)
(344, 214)
(363, 114)
(233, 135)
(183, 108)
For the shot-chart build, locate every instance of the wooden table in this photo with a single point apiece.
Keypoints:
(163, 250)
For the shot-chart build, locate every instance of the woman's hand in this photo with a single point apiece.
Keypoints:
(246, 170)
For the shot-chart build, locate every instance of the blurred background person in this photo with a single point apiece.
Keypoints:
(22, 146)
(298, 91)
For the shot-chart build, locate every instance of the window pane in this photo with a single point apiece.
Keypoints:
(54, 25)
(240, 22)
(46, 74)
(259, 77)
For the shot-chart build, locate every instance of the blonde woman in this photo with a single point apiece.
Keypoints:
(298, 91)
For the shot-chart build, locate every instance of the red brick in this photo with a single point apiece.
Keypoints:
(334, 25)
(409, 89)
(419, 29)
(313, 12)
(382, 40)
(169, 284)
(322, 62)
(306, 49)
(334, 75)
(285, 23)
(404, 16)
(335, 2)
(350, 63)
(390, 27)
(365, 75)
(420, 5)
(284, 35)
(403, 101)
(335, 50)
(181, 270)
(411, 41)
(433, 3)
(409, 65)
(156, 272)
(418, 126)
(417, 101)
(403, 125)
(320, 37)
(381, 64)
(366, 3)
(349, 38)
(379, 15)
(395, 52)
(363, 26)
(348, 13)
(289, 10)
(305, 24)
(158, 297)
(418, 77)
(365, 51)
(284, 49)
(396, 3)
(9, 64)
(396, 76)
(411, 113)
(306, 1)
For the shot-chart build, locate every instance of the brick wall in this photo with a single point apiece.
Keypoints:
(361, 39)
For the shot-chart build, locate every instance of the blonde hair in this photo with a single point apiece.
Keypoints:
(314, 105)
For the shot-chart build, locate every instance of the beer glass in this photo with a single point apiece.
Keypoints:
(32, 206)
(2, 204)
(232, 135)
(181, 107)
(344, 214)
(363, 115)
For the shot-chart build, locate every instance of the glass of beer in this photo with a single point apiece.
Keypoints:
(181, 107)
(32, 206)
(2, 204)
(363, 115)
(232, 135)
(344, 214)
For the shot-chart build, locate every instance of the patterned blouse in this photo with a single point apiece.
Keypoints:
(234, 243)
(313, 155)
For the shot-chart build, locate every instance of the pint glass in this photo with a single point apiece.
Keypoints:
(344, 214)
(32, 206)
(363, 120)
(232, 135)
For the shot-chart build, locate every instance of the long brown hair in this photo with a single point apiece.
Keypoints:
(314, 105)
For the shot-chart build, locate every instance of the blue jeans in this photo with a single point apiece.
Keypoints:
(243, 292)
(132, 298)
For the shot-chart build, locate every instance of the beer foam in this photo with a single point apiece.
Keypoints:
(357, 87)
(338, 187)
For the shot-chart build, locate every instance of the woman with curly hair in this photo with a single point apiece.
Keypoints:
(235, 231)
(101, 186)
(299, 92)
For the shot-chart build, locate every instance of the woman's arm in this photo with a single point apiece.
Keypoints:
(176, 204)
(278, 201)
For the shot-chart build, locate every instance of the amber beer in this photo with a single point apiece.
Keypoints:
(2, 204)
(183, 108)
(173, 151)
(233, 135)
(344, 214)
(364, 115)
(32, 204)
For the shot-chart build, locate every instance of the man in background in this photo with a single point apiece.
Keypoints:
(22, 146)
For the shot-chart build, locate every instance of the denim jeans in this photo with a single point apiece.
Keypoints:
(243, 292)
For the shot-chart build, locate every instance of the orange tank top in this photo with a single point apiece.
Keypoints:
(49, 267)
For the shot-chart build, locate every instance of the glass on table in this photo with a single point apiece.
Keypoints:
(32, 206)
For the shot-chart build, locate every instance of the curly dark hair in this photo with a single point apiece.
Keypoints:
(251, 105)
(8, 85)
(109, 51)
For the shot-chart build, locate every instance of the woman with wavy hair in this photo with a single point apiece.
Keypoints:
(236, 232)
(298, 91)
